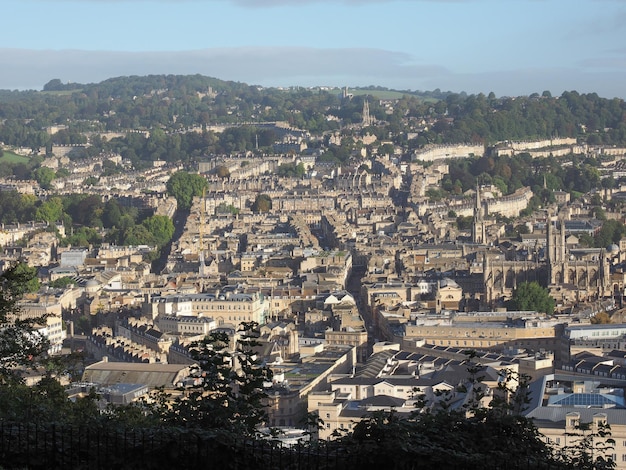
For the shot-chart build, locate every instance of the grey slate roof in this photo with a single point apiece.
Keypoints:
(153, 375)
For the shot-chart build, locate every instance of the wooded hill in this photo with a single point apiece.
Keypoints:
(175, 103)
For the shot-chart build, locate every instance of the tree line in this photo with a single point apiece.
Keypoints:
(175, 103)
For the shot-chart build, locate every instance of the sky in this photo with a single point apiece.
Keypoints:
(509, 47)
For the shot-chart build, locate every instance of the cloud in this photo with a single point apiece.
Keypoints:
(606, 62)
(297, 3)
(256, 65)
(518, 82)
(608, 59)
(265, 3)
(287, 66)
(605, 22)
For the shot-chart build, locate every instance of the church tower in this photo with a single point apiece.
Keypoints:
(366, 119)
(555, 249)
(478, 228)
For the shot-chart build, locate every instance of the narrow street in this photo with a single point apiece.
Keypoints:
(180, 219)
(354, 288)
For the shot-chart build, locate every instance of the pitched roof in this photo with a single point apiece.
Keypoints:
(153, 375)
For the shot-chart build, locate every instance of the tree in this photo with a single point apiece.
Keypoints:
(231, 395)
(53, 85)
(20, 343)
(522, 229)
(222, 171)
(112, 214)
(598, 213)
(87, 210)
(184, 187)
(63, 173)
(611, 232)
(386, 149)
(160, 227)
(84, 237)
(531, 296)
(224, 208)
(591, 446)
(291, 170)
(137, 235)
(62, 282)
(601, 318)
(262, 203)
(44, 176)
(50, 211)
(91, 181)
(434, 194)
(464, 222)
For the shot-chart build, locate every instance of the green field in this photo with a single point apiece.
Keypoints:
(380, 94)
(388, 94)
(10, 157)
(60, 92)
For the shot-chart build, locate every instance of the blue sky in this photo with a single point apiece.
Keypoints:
(510, 47)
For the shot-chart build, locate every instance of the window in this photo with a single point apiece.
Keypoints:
(572, 419)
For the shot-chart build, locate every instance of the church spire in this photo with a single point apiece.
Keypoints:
(366, 118)
(479, 234)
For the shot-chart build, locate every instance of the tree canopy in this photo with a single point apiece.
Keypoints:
(611, 232)
(20, 343)
(229, 397)
(184, 187)
(291, 170)
(531, 296)
(262, 203)
(161, 229)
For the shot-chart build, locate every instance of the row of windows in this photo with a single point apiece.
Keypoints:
(454, 333)
(238, 318)
(465, 343)
(341, 426)
(613, 333)
(221, 307)
(192, 329)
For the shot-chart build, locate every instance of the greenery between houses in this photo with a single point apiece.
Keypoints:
(85, 216)
(530, 296)
(184, 187)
